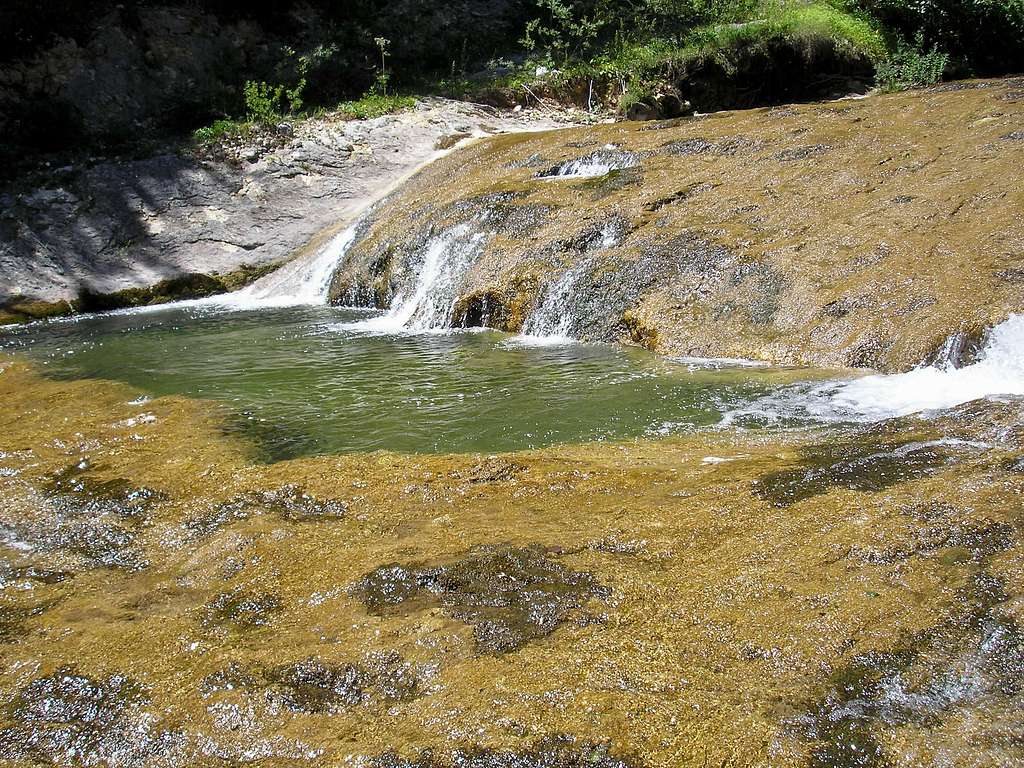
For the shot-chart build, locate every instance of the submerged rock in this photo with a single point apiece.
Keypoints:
(510, 596)
(552, 752)
(316, 686)
(289, 503)
(864, 465)
(72, 719)
(241, 610)
(972, 660)
(88, 520)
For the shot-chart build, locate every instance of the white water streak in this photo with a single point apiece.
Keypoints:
(430, 304)
(999, 371)
(298, 283)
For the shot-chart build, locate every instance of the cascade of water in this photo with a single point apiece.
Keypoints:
(303, 281)
(999, 370)
(595, 164)
(553, 319)
(430, 302)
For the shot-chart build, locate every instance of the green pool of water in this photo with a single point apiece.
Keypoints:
(299, 381)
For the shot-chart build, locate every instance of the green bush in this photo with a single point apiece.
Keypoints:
(375, 104)
(222, 130)
(910, 67)
(982, 37)
(263, 101)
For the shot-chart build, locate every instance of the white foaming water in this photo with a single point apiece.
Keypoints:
(430, 304)
(302, 282)
(298, 283)
(998, 371)
(551, 322)
(593, 165)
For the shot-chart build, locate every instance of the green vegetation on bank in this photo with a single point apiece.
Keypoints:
(224, 68)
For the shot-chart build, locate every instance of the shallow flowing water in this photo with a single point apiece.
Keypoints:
(314, 380)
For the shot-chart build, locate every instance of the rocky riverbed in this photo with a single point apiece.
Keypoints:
(822, 598)
(845, 593)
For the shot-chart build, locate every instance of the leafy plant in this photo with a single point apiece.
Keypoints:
(374, 105)
(910, 66)
(263, 101)
(220, 130)
(381, 85)
(562, 30)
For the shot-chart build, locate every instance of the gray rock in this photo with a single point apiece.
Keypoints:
(118, 225)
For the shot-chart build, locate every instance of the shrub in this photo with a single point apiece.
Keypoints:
(221, 130)
(376, 104)
(263, 101)
(910, 66)
(982, 37)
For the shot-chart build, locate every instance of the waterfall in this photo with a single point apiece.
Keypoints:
(595, 164)
(429, 303)
(300, 282)
(553, 319)
(999, 370)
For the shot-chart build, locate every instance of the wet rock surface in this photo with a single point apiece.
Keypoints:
(621, 605)
(289, 503)
(858, 220)
(553, 752)
(241, 610)
(319, 687)
(510, 596)
(970, 661)
(72, 719)
(92, 521)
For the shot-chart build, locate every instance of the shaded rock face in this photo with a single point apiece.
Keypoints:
(837, 234)
(510, 596)
(189, 225)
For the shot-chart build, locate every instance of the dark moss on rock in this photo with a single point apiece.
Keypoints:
(241, 610)
(316, 686)
(510, 596)
(802, 153)
(870, 464)
(552, 752)
(71, 719)
(289, 503)
(974, 656)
